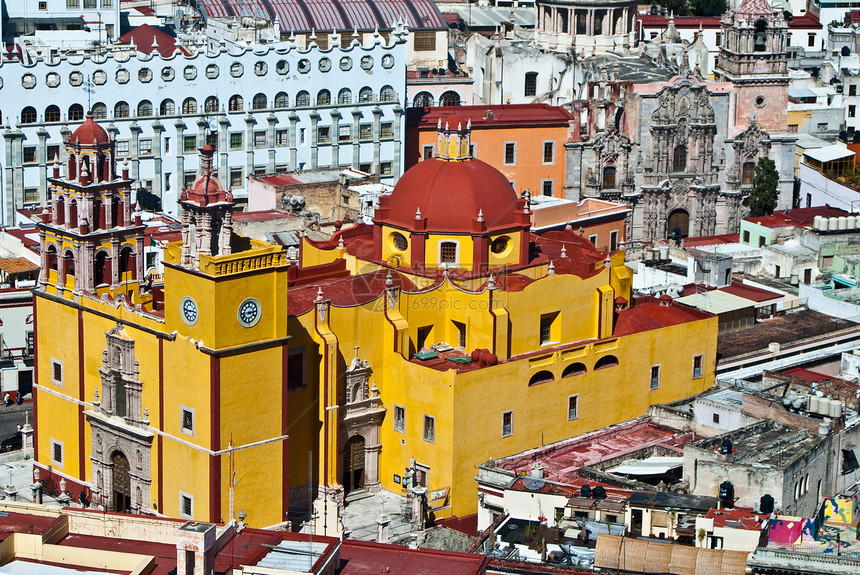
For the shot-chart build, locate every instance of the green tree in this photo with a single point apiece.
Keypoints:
(708, 7)
(764, 195)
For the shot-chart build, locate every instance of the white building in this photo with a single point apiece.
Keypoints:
(68, 23)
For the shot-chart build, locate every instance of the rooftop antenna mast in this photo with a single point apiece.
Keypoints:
(90, 89)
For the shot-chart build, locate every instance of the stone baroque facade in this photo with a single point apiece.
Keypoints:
(278, 107)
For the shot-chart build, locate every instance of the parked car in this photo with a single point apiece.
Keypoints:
(12, 443)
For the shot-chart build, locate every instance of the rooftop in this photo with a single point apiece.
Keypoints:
(799, 217)
(828, 153)
(769, 444)
(363, 557)
(738, 518)
(498, 116)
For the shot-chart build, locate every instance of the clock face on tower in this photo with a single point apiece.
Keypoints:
(249, 312)
(188, 307)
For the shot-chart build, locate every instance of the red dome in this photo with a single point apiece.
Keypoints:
(450, 195)
(89, 133)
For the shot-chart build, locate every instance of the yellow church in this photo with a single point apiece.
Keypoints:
(398, 355)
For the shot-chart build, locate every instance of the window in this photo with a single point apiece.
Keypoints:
(344, 133)
(53, 152)
(655, 377)
(429, 429)
(99, 111)
(399, 419)
(186, 505)
(530, 88)
(387, 94)
(210, 106)
(31, 195)
(303, 99)
(507, 423)
(548, 152)
(449, 98)
(122, 148)
(613, 240)
(608, 177)
(461, 333)
(386, 130)
(697, 366)
(605, 362)
(189, 106)
(547, 323)
(573, 407)
(235, 104)
(43, 5)
(236, 178)
(746, 237)
(593, 239)
(281, 100)
(719, 40)
(323, 98)
(259, 139)
(510, 153)
(385, 168)
(89, 4)
(121, 110)
(679, 159)
(425, 40)
(235, 140)
(189, 144)
(365, 132)
(716, 418)
(29, 154)
(427, 152)
(810, 40)
(282, 137)
(76, 113)
(547, 187)
(57, 372)
(186, 419)
(167, 108)
(52, 114)
(72, 3)
(448, 252)
(822, 127)
(145, 147)
(323, 135)
(56, 453)
(28, 115)
(422, 336)
(344, 97)
(852, 89)
(144, 109)
(852, 110)
(761, 242)
(748, 174)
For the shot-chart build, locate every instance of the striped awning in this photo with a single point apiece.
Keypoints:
(331, 15)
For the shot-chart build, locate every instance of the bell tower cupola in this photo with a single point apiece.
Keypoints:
(453, 139)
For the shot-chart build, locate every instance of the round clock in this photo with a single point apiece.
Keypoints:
(249, 312)
(188, 307)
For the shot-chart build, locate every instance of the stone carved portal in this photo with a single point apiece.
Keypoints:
(363, 414)
(121, 443)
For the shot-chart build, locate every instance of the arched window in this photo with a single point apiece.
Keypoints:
(144, 109)
(449, 98)
(211, 105)
(60, 212)
(303, 99)
(679, 159)
(365, 95)
(236, 103)
(606, 361)
(69, 263)
(387, 94)
(101, 269)
(52, 114)
(748, 174)
(126, 264)
(99, 111)
(530, 88)
(423, 100)
(189, 106)
(51, 257)
(541, 377)
(167, 108)
(282, 101)
(121, 110)
(260, 102)
(28, 115)
(76, 113)
(761, 35)
(574, 369)
(324, 98)
(73, 214)
(344, 97)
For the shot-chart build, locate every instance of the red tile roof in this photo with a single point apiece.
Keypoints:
(737, 518)
(280, 180)
(261, 216)
(807, 21)
(363, 557)
(750, 292)
(800, 217)
(711, 240)
(649, 313)
(143, 35)
(523, 115)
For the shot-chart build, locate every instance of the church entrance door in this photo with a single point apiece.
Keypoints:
(121, 483)
(353, 464)
(678, 224)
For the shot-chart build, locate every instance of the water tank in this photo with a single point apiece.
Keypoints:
(835, 408)
(727, 494)
(833, 224)
(824, 406)
(598, 492)
(851, 222)
(537, 471)
(812, 406)
(816, 222)
(585, 491)
(726, 446)
(766, 506)
(842, 222)
(798, 403)
(664, 253)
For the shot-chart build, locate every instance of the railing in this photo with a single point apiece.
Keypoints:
(809, 553)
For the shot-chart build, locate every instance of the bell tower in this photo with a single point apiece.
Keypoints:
(753, 58)
(453, 139)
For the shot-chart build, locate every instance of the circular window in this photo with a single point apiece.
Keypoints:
(366, 62)
(260, 68)
(28, 80)
(99, 77)
(236, 69)
(76, 78)
(190, 72)
(500, 246)
(52, 80)
(249, 312)
(399, 242)
(122, 76)
(760, 101)
(346, 63)
(325, 64)
(282, 67)
(304, 66)
(167, 73)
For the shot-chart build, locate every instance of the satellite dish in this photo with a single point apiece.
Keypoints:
(533, 483)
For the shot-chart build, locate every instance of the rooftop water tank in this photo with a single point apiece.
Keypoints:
(851, 223)
(598, 492)
(664, 252)
(842, 222)
(726, 446)
(585, 491)
(835, 408)
(727, 494)
(812, 406)
(816, 222)
(766, 506)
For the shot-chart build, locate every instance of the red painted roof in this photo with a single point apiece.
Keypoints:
(711, 240)
(649, 313)
(344, 291)
(531, 115)
(89, 133)
(737, 518)
(750, 292)
(816, 377)
(143, 37)
(800, 217)
(26, 523)
(261, 216)
(807, 21)
(280, 180)
(450, 195)
(364, 557)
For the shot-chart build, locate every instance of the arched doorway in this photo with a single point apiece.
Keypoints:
(678, 224)
(353, 464)
(121, 483)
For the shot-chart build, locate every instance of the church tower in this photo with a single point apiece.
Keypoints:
(753, 57)
(89, 242)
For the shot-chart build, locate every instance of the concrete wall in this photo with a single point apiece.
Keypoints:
(819, 301)
(825, 191)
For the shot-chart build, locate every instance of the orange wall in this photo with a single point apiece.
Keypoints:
(529, 169)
